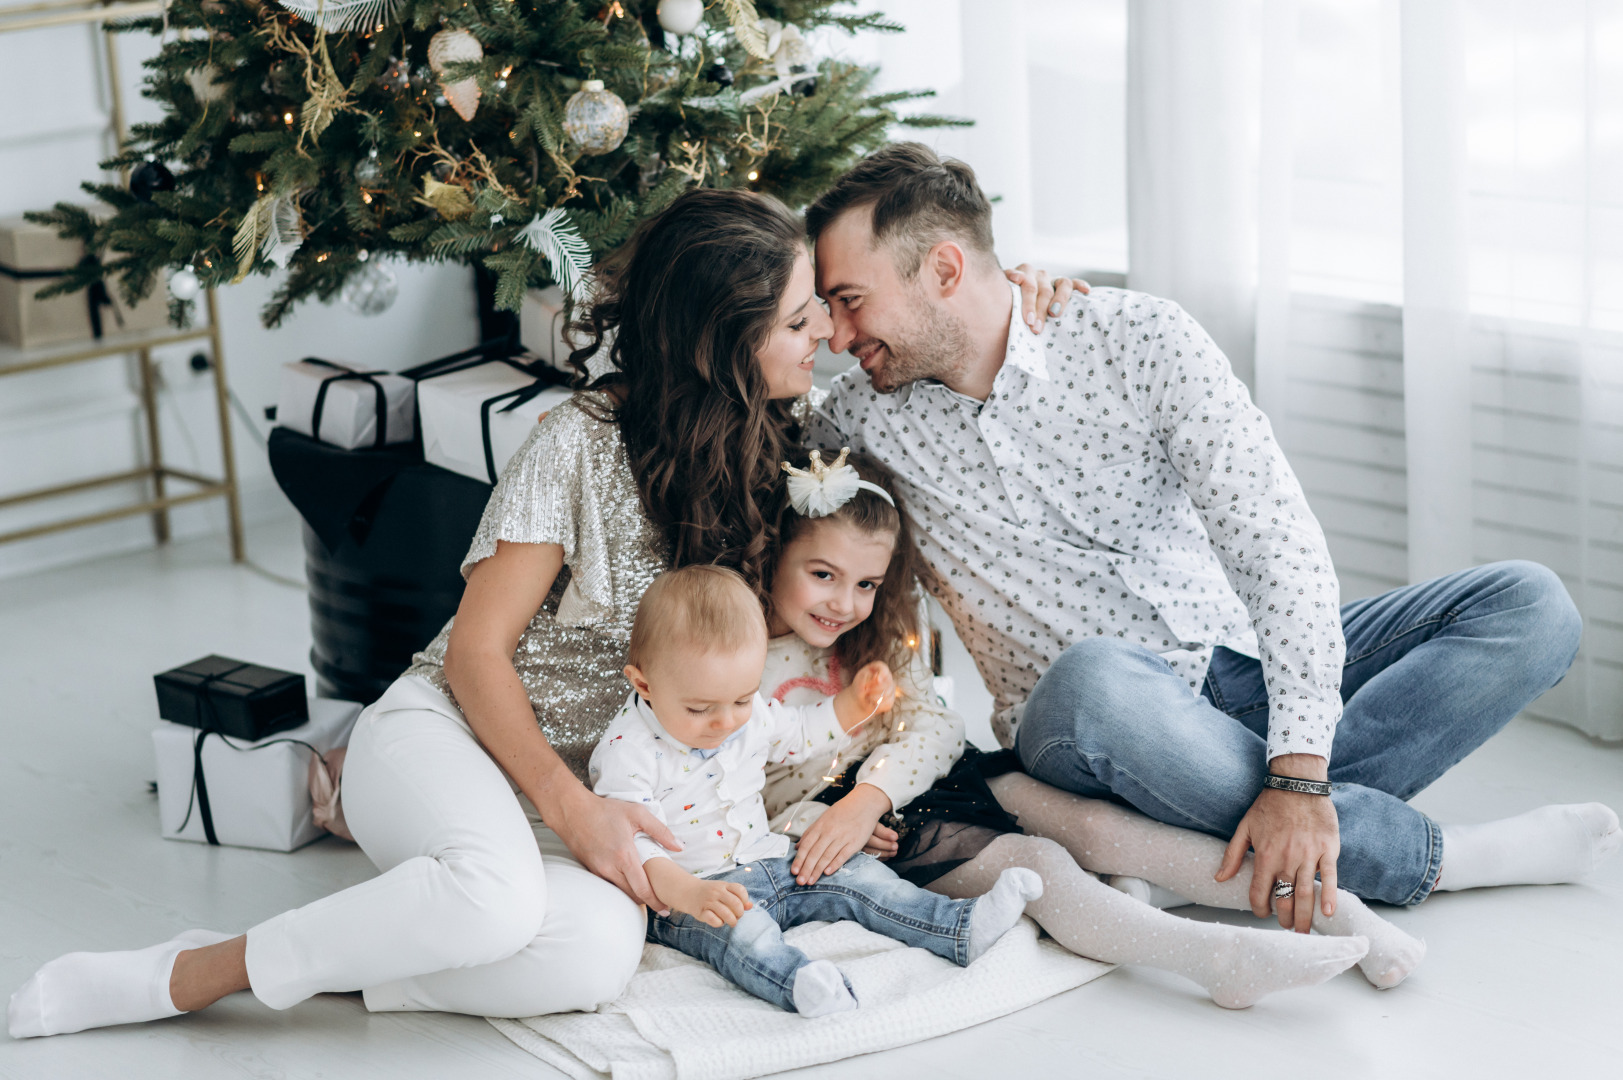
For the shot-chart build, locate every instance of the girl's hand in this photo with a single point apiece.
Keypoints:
(1041, 298)
(876, 687)
(843, 830)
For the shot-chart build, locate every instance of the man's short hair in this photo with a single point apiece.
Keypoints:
(918, 200)
(711, 608)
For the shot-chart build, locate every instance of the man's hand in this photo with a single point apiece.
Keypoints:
(1295, 837)
(716, 903)
(600, 832)
(839, 833)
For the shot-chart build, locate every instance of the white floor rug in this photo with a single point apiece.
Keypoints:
(679, 1020)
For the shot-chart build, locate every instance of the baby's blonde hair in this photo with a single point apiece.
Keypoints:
(710, 608)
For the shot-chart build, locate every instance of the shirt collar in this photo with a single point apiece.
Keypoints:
(646, 711)
(1026, 351)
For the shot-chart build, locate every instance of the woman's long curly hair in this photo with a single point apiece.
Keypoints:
(682, 310)
(892, 632)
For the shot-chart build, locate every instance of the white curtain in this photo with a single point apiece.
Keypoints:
(1499, 125)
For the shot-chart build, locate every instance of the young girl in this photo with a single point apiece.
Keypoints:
(842, 593)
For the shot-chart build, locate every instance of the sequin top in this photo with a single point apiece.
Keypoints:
(570, 484)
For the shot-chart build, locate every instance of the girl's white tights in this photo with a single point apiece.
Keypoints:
(1110, 839)
(1237, 965)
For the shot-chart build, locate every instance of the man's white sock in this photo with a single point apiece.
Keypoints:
(1547, 846)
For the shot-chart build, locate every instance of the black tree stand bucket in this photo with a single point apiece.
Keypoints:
(384, 538)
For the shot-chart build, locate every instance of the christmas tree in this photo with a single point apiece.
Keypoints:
(527, 137)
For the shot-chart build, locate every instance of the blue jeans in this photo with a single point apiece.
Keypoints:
(753, 954)
(1432, 671)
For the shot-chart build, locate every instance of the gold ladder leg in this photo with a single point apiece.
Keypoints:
(222, 401)
(149, 405)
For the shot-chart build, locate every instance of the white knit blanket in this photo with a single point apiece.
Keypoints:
(679, 1020)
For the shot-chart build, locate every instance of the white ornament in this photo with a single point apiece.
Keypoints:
(680, 16)
(450, 47)
(772, 30)
(819, 490)
(205, 83)
(183, 283)
(793, 56)
(568, 255)
(372, 290)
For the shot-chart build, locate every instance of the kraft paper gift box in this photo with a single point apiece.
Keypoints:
(33, 258)
(256, 794)
(346, 406)
(476, 418)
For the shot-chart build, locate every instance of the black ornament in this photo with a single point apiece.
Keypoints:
(720, 74)
(806, 87)
(149, 178)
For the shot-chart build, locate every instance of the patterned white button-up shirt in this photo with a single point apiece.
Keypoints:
(1117, 482)
(710, 799)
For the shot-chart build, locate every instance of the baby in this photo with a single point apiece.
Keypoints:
(692, 744)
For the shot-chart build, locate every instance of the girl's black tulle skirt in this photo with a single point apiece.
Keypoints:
(949, 824)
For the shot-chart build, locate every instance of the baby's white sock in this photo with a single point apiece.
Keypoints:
(997, 911)
(1147, 892)
(820, 990)
(88, 990)
(1547, 846)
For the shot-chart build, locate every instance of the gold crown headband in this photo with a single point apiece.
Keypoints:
(819, 490)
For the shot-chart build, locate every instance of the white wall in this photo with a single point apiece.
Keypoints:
(61, 425)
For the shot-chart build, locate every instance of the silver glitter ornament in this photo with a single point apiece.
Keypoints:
(369, 170)
(372, 291)
(596, 119)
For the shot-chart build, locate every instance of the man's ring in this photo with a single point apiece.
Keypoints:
(1284, 890)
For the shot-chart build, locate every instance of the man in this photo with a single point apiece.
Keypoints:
(1127, 554)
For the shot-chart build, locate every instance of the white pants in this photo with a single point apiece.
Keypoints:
(479, 908)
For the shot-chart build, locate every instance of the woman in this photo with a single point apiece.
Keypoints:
(666, 460)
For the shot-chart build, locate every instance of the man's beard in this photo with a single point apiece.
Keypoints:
(936, 346)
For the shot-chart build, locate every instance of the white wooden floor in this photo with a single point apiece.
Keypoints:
(1518, 983)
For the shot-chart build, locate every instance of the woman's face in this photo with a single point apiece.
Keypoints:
(826, 581)
(786, 358)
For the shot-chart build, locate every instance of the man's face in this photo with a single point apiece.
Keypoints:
(890, 325)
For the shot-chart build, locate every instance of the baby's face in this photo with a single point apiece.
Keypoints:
(701, 697)
(826, 581)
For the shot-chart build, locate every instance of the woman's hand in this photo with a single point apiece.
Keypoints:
(1041, 297)
(843, 830)
(600, 832)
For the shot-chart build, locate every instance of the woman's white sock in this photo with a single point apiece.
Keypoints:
(820, 990)
(997, 911)
(1547, 846)
(88, 990)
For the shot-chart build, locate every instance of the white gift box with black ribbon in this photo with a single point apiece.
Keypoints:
(215, 789)
(476, 417)
(346, 406)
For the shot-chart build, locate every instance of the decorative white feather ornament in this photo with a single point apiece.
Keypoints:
(568, 254)
(339, 16)
(818, 490)
(451, 47)
(284, 231)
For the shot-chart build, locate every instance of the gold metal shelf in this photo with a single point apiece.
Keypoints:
(15, 361)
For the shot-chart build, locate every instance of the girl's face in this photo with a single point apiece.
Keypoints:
(786, 358)
(826, 581)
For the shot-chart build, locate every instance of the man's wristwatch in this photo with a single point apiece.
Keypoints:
(1292, 783)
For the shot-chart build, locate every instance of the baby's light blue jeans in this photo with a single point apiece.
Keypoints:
(753, 954)
(1432, 671)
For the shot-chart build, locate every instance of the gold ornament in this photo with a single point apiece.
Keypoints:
(595, 119)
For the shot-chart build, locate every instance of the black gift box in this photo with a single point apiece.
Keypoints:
(242, 700)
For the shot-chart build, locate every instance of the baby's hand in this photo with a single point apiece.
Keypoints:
(715, 902)
(876, 687)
